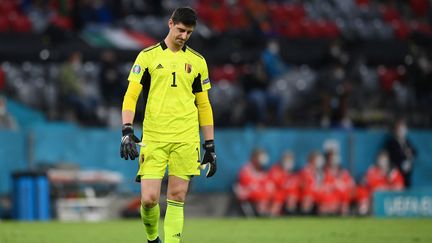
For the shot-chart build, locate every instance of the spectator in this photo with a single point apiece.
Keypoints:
(7, 121)
(253, 184)
(401, 151)
(286, 184)
(379, 177)
(312, 178)
(255, 84)
(273, 63)
(74, 92)
(87, 12)
(110, 79)
(342, 182)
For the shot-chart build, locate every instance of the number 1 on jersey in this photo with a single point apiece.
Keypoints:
(174, 78)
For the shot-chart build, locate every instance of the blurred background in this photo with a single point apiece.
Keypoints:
(320, 107)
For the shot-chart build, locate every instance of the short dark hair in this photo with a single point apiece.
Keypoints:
(184, 15)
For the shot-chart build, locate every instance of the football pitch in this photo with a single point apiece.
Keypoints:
(197, 230)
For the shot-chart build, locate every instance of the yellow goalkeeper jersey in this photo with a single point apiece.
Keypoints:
(170, 80)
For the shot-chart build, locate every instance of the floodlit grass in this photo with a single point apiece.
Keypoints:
(320, 230)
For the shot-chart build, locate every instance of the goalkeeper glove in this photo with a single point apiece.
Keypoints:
(209, 158)
(128, 143)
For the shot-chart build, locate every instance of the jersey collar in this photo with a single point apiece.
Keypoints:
(164, 46)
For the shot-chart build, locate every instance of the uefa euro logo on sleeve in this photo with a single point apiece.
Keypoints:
(136, 69)
(188, 68)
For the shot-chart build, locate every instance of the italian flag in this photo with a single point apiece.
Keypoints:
(117, 38)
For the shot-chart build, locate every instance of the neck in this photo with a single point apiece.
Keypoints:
(171, 45)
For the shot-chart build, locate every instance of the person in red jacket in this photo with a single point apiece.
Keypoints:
(286, 185)
(253, 184)
(311, 181)
(379, 177)
(339, 184)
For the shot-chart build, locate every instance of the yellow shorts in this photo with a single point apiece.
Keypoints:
(182, 159)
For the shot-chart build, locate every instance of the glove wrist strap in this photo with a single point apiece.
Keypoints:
(127, 129)
(209, 145)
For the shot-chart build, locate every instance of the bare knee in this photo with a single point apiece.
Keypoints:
(149, 200)
(178, 195)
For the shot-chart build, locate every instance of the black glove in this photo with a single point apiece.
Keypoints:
(128, 143)
(209, 158)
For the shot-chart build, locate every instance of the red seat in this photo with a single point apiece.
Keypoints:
(362, 3)
(295, 12)
(310, 29)
(420, 7)
(329, 29)
(62, 22)
(8, 7)
(390, 13)
(20, 23)
(401, 29)
(293, 30)
(4, 24)
(388, 77)
(422, 27)
(204, 11)
(226, 72)
(238, 18)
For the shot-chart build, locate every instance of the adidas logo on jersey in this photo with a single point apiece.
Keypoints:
(178, 235)
(159, 66)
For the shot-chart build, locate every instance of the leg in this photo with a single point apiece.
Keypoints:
(176, 195)
(277, 202)
(150, 213)
(307, 204)
(150, 192)
(257, 98)
(276, 208)
(177, 188)
(291, 204)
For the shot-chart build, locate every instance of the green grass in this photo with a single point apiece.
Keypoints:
(298, 230)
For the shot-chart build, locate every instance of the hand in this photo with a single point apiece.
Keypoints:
(209, 158)
(128, 143)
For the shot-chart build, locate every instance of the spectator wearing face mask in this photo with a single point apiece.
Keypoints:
(341, 183)
(401, 151)
(253, 184)
(379, 177)
(286, 185)
(273, 62)
(311, 181)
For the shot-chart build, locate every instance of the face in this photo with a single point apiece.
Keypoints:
(273, 47)
(319, 161)
(334, 159)
(288, 162)
(383, 162)
(263, 159)
(179, 33)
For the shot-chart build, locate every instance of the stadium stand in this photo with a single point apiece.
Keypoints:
(346, 61)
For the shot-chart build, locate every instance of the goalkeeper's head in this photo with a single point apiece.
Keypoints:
(185, 16)
(181, 24)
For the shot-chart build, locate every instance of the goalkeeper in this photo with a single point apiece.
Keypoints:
(174, 79)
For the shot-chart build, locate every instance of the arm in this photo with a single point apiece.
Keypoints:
(129, 140)
(208, 132)
(129, 102)
(205, 117)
